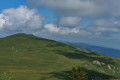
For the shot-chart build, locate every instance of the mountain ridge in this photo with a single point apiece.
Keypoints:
(102, 50)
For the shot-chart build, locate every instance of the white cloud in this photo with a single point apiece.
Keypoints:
(85, 8)
(104, 29)
(2, 21)
(20, 19)
(65, 30)
(105, 25)
(60, 30)
(52, 28)
(69, 21)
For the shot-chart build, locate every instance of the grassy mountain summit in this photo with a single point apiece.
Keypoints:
(27, 57)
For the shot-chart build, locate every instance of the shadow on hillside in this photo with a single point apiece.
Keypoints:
(43, 78)
(82, 55)
(90, 73)
(71, 54)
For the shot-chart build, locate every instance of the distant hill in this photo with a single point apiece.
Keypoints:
(103, 50)
(27, 57)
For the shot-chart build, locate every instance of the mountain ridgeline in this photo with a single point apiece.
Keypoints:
(102, 50)
(27, 57)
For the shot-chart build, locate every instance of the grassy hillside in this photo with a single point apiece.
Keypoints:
(27, 57)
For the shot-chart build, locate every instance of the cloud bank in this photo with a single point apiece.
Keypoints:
(70, 21)
(87, 8)
(69, 13)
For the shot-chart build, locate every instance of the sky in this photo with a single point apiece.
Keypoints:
(95, 22)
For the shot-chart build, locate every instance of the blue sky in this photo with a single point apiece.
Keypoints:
(93, 22)
(47, 13)
(5, 4)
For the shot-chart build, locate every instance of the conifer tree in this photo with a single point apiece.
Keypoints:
(74, 76)
(78, 74)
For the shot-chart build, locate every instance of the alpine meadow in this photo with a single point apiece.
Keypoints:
(27, 57)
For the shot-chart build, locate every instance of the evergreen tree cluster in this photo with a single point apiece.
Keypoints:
(78, 74)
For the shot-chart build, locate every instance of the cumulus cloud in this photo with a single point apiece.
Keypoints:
(61, 30)
(69, 21)
(65, 30)
(20, 19)
(87, 8)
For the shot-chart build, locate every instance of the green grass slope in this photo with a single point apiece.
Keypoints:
(27, 57)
